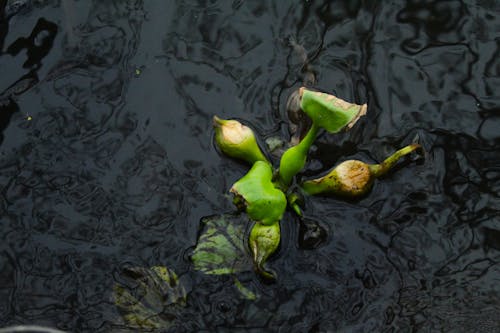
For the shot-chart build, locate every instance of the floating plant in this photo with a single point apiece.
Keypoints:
(244, 240)
(264, 193)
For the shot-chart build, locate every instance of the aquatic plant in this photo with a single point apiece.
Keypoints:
(326, 112)
(261, 197)
(263, 193)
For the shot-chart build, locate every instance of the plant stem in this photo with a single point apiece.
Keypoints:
(308, 140)
(381, 169)
(294, 159)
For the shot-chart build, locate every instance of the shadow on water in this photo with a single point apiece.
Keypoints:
(107, 161)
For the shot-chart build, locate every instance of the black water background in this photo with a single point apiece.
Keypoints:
(117, 166)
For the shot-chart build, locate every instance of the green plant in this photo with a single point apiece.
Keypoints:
(263, 193)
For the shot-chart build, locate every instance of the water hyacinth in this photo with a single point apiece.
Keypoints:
(264, 193)
(237, 140)
(326, 112)
(354, 178)
(265, 205)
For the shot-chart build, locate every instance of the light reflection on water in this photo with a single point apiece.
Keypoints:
(116, 166)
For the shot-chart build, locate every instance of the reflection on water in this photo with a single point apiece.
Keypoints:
(106, 159)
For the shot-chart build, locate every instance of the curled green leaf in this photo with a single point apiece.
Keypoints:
(264, 240)
(237, 140)
(256, 193)
(330, 112)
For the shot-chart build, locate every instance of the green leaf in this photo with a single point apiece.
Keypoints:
(237, 140)
(330, 112)
(244, 291)
(221, 247)
(264, 240)
(263, 202)
(145, 295)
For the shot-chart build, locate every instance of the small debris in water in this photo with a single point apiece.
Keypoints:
(274, 143)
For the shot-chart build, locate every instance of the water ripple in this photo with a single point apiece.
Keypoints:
(107, 160)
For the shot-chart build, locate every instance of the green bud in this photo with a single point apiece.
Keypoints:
(256, 193)
(354, 178)
(237, 140)
(263, 241)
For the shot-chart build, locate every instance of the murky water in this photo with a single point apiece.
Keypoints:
(107, 160)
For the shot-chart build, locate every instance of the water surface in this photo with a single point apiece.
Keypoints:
(107, 159)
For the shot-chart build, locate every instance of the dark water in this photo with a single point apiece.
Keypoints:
(107, 160)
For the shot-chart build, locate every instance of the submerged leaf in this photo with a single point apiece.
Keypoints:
(145, 295)
(244, 291)
(221, 247)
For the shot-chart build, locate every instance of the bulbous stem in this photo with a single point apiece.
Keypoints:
(294, 159)
(381, 169)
